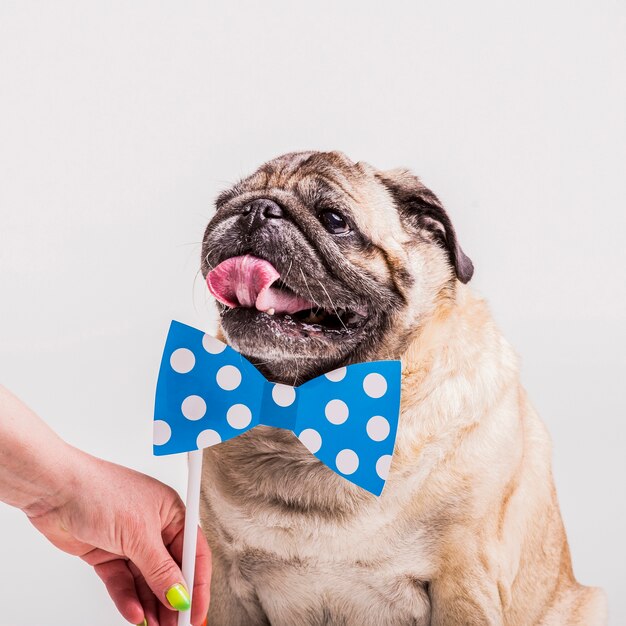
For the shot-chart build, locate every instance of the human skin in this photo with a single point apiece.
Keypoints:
(126, 525)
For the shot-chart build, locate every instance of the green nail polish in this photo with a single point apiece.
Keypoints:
(144, 623)
(178, 597)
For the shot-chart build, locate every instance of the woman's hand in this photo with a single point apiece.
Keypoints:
(128, 526)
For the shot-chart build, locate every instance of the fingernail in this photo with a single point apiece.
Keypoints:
(178, 597)
(144, 623)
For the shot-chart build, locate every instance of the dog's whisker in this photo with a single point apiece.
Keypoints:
(306, 282)
(289, 270)
(193, 290)
(296, 378)
(332, 304)
(189, 243)
(206, 258)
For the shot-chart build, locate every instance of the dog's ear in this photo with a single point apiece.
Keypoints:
(421, 207)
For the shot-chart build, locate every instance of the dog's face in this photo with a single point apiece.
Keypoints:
(320, 262)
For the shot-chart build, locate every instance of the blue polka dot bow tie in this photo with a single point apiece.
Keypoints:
(208, 393)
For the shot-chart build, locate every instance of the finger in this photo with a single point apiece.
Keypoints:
(202, 581)
(120, 584)
(148, 600)
(161, 572)
(202, 575)
(166, 617)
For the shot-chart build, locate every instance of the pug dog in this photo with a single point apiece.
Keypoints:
(319, 262)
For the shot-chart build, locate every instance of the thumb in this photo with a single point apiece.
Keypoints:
(162, 574)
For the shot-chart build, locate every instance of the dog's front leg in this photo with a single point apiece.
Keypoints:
(232, 602)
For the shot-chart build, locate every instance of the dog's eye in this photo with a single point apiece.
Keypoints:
(334, 222)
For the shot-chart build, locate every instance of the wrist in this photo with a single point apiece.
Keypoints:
(38, 470)
(54, 480)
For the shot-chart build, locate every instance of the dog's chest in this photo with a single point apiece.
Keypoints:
(366, 574)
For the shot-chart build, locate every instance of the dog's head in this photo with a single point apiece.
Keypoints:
(319, 262)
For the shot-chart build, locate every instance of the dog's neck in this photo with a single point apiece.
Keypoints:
(459, 354)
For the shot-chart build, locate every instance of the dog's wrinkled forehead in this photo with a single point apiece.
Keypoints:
(330, 180)
(296, 171)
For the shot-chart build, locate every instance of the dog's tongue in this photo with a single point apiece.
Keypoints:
(246, 281)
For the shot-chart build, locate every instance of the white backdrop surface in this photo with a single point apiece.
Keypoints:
(121, 121)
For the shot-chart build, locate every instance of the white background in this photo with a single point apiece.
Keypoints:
(121, 121)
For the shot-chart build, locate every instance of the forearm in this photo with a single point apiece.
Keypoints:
(34, 461)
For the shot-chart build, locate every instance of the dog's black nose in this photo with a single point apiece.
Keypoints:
(262, 209)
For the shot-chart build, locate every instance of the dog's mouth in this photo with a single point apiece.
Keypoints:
(253, 288)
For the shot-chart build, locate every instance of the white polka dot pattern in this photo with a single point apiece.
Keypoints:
(311, 439)
(228, 377)
(182, 360)
(193, 408)
(377, 428)
(336, 375)
(207, 438)
(375, 385)
(239, 416)
(382, 466)
(337, 411)
(161, 432)
(283, 395)
(213, 345)
(347, 461)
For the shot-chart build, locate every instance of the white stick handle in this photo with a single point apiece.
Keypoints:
(192, 520)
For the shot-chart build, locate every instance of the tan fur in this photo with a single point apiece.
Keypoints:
(468, 529)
